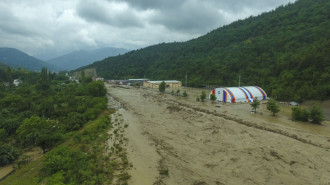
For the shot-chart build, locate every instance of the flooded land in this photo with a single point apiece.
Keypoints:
(178, 141)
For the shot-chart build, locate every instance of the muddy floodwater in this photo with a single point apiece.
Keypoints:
(178, 141)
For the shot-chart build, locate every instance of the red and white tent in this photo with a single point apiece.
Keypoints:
(239, 94)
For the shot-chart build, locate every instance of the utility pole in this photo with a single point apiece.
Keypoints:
(186, 80)
(239, 80)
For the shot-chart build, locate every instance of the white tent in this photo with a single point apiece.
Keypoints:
(239, 94)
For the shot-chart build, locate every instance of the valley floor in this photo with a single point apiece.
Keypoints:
(177, 141)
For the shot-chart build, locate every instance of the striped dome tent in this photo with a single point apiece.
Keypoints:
(239, 94)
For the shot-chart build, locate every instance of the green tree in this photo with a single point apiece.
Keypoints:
(44, 82)
(3, 134)
(47, 107)
(203, 96)
(213, 98)
(162, 87)
(8, 154)
(273, 106)
(83, 77)
(316, 115)
(36, 131)
(96, 89)
(255, 104)
(73, 121)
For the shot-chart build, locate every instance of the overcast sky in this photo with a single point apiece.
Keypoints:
(47, 28)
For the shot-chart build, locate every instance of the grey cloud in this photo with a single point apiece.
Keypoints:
(232, 5)
(236, 6)
(200, 15)
(191, 17)
(51, 28)
(12, 25)
(153, 4)
(98, 12)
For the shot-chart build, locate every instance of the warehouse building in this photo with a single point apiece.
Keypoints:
(134, 82)
(169, 84)
(239, 94)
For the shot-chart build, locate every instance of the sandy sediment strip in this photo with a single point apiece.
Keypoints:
(324, 145)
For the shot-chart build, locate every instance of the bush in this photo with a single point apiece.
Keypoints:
(316, 115)
(213, 98)
(8, 154)
(299, 114)
(203, 96)
(185, 94)
(164, 172)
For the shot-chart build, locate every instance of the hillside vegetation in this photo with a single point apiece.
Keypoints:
(18, 59)
(67, 120)
(285, 51)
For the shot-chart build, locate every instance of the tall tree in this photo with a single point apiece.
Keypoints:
(44, 83)
(83, 77)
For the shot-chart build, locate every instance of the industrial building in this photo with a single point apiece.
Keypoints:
(133, 82)
(238, 94)
(169, 84)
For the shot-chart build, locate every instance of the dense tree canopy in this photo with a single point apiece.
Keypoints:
(41, 110)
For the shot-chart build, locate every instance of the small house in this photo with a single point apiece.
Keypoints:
(17, 82)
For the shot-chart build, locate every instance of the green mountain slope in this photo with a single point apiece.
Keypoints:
(16, 58)
(81, 58)
(285, 51)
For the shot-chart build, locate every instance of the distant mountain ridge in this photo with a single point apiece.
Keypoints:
(16, 58)
(285, 51)
(81, 58)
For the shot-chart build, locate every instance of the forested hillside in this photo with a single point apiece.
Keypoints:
(285, 51)
(18, 59)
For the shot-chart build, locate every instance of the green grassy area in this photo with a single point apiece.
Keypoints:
(27, 175)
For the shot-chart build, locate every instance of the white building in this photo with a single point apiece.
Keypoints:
(17, 82)
(239, 94)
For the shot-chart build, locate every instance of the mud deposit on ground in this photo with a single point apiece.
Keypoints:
(177, 141)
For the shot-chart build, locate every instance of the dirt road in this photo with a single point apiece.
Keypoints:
(177, 141)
